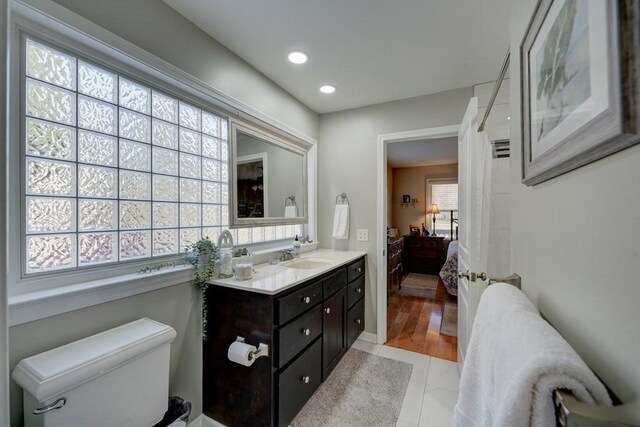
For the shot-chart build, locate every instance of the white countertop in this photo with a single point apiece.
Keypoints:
(273, 279)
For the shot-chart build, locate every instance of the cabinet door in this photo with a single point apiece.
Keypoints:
(297, 383)
(333, 331)
(355, 322)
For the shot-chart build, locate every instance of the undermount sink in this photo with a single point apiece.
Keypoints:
(307, 263)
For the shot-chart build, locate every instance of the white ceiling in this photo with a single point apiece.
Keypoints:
(372, 50)
(424, 152)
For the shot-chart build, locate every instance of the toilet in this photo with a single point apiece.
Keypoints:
(119, 377)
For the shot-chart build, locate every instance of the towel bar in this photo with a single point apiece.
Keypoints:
(514, 280)
(571, 413)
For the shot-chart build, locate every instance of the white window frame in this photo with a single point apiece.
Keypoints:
(431, 182)
(40, 296)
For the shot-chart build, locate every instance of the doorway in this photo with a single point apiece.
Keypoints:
(412, 298)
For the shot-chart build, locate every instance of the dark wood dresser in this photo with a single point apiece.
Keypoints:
(394, 265)
(423, 254)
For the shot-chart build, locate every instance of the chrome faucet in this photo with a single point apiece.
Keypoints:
(286, 255)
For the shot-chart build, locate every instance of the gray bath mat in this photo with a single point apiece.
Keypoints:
(364, 390)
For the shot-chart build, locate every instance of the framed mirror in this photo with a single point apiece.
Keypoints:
(268, 177)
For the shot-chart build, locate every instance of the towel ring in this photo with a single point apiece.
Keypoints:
(342, 199)
(290, 201)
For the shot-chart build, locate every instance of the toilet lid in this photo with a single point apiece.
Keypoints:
(48, 374)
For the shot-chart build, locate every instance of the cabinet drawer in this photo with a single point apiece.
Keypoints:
(355, 291)
(424, 253)
(291, 305)
(335, 282)
(297, 383)
(355, 270)
(355, 322)
(298, 334)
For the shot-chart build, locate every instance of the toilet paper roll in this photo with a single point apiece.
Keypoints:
(240, 353)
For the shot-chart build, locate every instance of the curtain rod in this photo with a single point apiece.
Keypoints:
(496, 88)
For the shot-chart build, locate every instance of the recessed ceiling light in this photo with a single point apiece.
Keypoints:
(327, 88)
(509, 118)
(298, 57)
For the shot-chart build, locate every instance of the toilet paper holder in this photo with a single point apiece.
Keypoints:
(263, 349)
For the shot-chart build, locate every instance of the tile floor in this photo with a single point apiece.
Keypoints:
(433, 387)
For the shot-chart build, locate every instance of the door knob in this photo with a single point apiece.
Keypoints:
(358, 321)
(463, 275)
(305, 379)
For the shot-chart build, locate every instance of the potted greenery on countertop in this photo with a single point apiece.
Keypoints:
(202, 256)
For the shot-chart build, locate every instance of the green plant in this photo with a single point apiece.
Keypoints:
(157, 267)
(202, 256)
(240, 252)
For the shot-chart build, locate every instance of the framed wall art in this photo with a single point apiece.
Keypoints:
(580, 86)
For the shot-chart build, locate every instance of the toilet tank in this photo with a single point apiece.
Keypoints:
(119, 377)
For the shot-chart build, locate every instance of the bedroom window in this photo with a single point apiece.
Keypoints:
(444, 193)
(115, 170)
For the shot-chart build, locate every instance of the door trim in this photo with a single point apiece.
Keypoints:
(381, 281)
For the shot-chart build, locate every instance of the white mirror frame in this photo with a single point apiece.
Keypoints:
(288, 143)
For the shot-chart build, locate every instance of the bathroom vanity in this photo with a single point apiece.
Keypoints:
(309, 311)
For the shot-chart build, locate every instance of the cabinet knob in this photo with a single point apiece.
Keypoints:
(358, 321)
(359, 269)
(327, 310)
(306, 331)
(359, 290)
(305, 379)
(306, 300)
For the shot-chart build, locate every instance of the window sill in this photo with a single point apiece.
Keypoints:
(38, 305)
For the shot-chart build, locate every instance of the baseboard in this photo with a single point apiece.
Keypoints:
(369, 337)
(204, 421)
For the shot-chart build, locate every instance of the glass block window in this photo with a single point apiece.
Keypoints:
(116, 170)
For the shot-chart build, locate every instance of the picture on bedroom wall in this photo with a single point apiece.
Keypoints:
(576, 57)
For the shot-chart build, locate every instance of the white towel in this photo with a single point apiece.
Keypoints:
(290, 211)
(341, 222)
(514, 362)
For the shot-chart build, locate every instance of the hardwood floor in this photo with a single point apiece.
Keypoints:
(413, 323)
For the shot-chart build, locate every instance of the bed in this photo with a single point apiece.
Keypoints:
(449, 271)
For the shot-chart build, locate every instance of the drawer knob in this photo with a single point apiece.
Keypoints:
(306, 300)
(359, 269)
(327, 310)
(306, 331)
(358, 321)
(305, 379)
(359, 290)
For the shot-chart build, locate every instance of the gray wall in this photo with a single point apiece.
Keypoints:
(347, 162)
(155, 27)
(575, 242)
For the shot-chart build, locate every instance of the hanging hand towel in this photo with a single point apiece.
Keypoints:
(515, 360)
(290, 211)
(341, 222)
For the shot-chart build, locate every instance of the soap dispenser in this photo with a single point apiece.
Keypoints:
(296, 246)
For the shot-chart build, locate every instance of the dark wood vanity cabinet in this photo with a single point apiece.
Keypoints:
(308, 329)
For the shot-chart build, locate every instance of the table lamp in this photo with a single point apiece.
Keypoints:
(433, 210)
